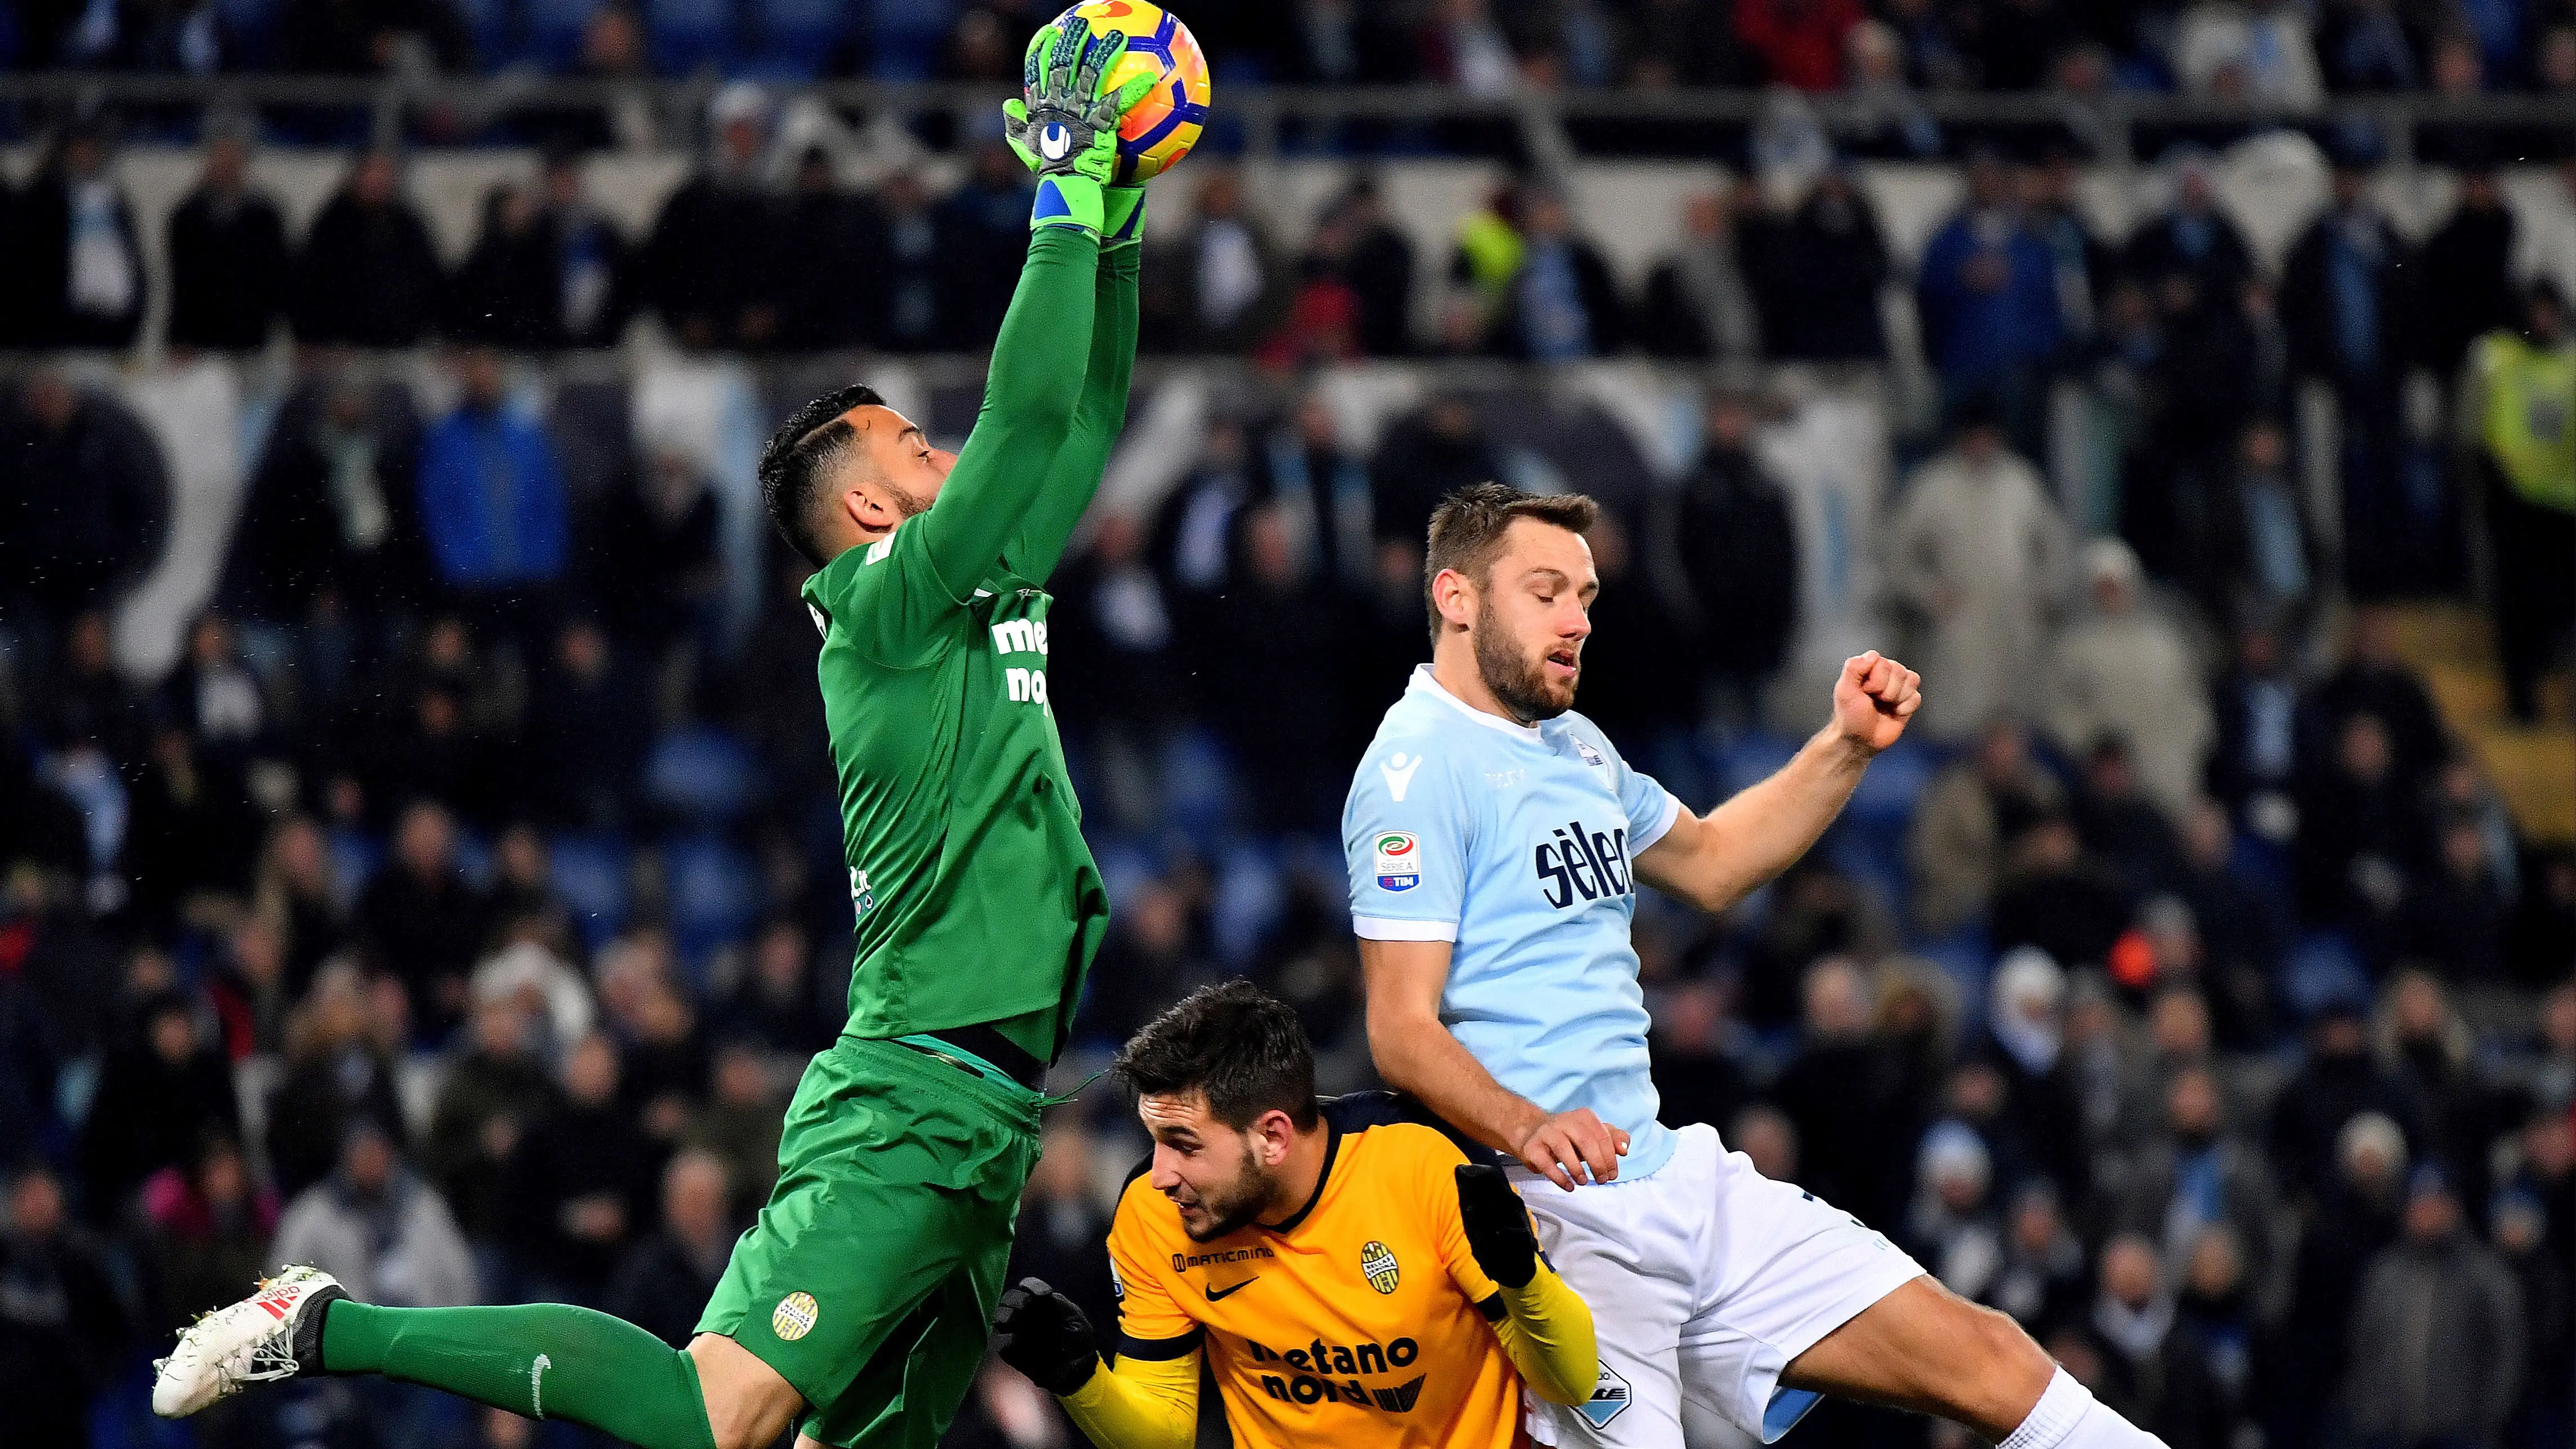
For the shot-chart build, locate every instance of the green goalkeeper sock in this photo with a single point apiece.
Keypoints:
(544, 1360)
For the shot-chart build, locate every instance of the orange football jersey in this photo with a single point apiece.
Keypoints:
(1361, 1320)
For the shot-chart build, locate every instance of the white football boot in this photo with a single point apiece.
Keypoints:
(275, 1333)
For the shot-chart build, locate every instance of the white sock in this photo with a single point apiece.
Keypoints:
(2067, 1416)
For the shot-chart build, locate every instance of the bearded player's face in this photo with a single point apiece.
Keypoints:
(1212, 1172)
(1532, 616)
(899, 473)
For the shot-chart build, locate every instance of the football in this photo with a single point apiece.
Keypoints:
(1166, 123)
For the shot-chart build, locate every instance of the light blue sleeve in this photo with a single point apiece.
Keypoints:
(1406, 833)
(1651, 808)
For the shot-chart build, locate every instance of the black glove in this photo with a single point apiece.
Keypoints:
(1044, 1334)
(1498, 1227)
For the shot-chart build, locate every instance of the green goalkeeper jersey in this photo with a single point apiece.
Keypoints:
(977, 900)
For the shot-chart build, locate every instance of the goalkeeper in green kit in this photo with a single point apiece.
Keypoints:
(858, 1304)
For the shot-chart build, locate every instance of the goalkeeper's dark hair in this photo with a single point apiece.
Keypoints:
(1232, 1041)
(1467, 531)
(795, 460)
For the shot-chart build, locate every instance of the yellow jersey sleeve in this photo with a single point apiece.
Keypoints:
(1152, 1324)
(1544, 1328)
(1132, 1405)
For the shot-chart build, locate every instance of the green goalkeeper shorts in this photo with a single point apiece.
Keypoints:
(869, 1280)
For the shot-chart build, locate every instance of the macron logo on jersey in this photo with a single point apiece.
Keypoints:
(1398, 771)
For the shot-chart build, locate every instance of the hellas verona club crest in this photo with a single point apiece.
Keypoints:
(1379, 1264)
(1399, 861)
(794, 1316)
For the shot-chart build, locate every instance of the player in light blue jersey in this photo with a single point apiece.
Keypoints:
(1496, 842)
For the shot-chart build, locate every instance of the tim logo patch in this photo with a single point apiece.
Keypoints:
(794, 1316)
(1399, 861)
(1609, 1399)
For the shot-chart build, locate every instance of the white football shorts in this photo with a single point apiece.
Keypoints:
(1705, 1279)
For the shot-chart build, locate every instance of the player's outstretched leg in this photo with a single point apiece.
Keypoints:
(1925, 1348)
(544, 1360)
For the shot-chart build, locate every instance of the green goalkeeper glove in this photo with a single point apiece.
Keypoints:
(1067, 130)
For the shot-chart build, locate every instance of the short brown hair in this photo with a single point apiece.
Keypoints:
(1467, 530)
(1242, 1047)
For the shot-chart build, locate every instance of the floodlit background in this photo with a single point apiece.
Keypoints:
(417, 840)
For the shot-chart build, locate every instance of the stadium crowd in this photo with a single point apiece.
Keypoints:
(458, 910)
(2267, 51)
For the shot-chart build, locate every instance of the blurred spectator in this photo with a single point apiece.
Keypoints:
(2194, 238)
(421, 918)
(2436, 1285)
(2375, 679)
(1799, 42)
(84, 500)
(528, 911)
(2155, 1369)
(1697, 302)
(362, 37)
(1355, 246)
(1972, 809)
(162, 1092)
(2426, 1044)
(2123, 669)
(2023, 1046)
(2540, 941)
(1817, 278)
(2251, 50)
(250, 991)
(1952, 1224)
(613, 50)
(2454, 914)
(1891, 121)
(1214, 283)
(2082, 265)
(2467, 265)
(493, 1090)
(666, 1064)
(2525, 470)
(1562, 303)
(331, 521)
(826, 247)
(1063, 1235)
(2360, 831)
(78, 269)
(1980, 556)
(654, 556)
(590, 289)
(206, 1223)
(741, 1124)
(367, 276)
(2195, 1175)
(1695, 1058)
(228, 256)
(2361, 1188)
(574, 1195)
(2345, 302)
(1724, 551)
(1987, 289)
(2339, 1082)
(212, 695)
(983, 233)
(1147, 961)
(2128, 832)
(2365, 47)
(1460, 45)
(663, 1283)
(2043, 1280)
(2217, 1308)
(708, 265)
(337, 1072)
(380, 1230)
(2519, 1227)
(1841, 1091)
(2057, 896)
(777, 1004)
(588, 729)
(185, 813)
(1424, 457)
(2239, 925)
(2254, 757)
(505, 292)
(1285, 722)
(492, 495)
(904, 304)
(63, 1324)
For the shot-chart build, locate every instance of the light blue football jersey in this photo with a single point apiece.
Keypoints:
(1513, 842)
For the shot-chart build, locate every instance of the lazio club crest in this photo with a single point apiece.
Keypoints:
(1380, 1266)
